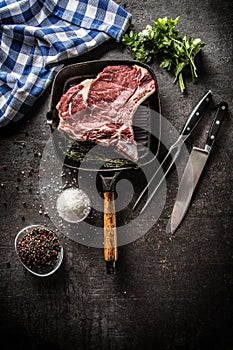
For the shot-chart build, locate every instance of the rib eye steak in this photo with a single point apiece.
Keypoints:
(101, 110)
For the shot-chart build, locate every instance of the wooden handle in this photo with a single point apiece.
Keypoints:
(110, 235)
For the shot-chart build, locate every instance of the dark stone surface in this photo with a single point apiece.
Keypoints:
(168, 293)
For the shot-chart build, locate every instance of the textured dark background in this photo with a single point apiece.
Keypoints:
(168, 294)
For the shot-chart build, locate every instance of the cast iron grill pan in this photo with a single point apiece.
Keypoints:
(146, 126)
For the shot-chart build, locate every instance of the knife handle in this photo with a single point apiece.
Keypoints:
(217, 122)
(197, 114)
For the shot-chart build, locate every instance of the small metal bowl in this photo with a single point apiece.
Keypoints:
(36, 242)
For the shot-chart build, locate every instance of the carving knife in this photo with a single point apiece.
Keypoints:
(194, 118)
(193, 170)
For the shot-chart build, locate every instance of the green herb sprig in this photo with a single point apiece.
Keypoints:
(162, 39)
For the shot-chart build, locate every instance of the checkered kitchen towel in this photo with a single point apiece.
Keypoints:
(36, 35)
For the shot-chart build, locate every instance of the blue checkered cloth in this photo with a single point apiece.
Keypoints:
(37, 35)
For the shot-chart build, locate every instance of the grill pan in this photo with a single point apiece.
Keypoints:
(146, 126)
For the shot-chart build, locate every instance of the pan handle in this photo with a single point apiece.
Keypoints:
(110, 232)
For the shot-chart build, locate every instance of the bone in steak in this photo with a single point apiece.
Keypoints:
(101, 110)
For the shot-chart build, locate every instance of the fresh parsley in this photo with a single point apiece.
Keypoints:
(162, 39)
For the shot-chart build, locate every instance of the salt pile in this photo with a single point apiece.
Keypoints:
(73, 205)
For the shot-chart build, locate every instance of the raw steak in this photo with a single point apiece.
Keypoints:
(101, 110)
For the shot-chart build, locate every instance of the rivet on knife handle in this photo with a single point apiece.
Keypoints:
(222, 108)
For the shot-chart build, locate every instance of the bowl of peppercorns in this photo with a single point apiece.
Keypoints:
(39, 250)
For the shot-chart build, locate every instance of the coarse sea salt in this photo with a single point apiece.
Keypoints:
(73, 205)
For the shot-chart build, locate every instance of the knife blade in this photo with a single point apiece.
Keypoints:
(193, 171)
(193, 120)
